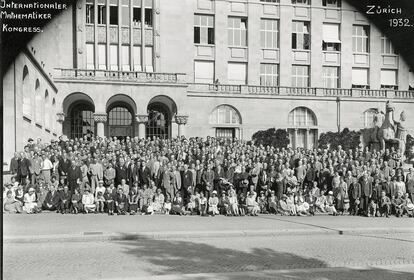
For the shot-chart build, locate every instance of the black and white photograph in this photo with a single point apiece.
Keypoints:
(207, 139)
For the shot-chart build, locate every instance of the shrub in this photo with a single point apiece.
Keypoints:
(346, 138)
(278, 138)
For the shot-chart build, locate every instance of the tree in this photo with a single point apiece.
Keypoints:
(277, 138)
(346, 138)
(409, 148)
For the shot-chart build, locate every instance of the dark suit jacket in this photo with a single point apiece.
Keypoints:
(73, 175)
(14, 165)
(51, 198)
(64, 166)
(187, 179)
(133, 173)
(65, 195)
(145, 175)
(120, 173)
(366, 187)
(24, 167)
(355, 190)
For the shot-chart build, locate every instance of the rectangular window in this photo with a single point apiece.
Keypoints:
(331, 3)
(300, 76)
(90, 11)
(331, 77)
(360, 78)
(90, 56)
(125, 12)
(237, 31)
(386, 45)
(114, 57)
(269, 30)
(360, 39)
(228, 133)
(389, 79)
(203, 29)
(113, 12)
(330, 33)
(137, 58)
(300, 35)
(270, 1)
(125, 58)
(102, 57)
(204, 72)
(301, 2)
(149, 67)
(269, 74)
(101, 12)
(136, 13)
(236, 73)
(148, 17)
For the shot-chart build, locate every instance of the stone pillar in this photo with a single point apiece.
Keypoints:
(100, 120)
(61, 119)
(181, 121)
(142, 121)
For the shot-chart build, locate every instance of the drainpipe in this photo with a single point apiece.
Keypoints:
(338, 113)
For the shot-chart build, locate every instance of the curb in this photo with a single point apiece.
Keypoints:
(117, 236)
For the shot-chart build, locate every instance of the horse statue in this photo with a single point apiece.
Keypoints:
(392, 132)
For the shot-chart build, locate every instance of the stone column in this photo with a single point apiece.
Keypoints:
(61, 119)
(100, 120)
(181, 121)
(142, 121)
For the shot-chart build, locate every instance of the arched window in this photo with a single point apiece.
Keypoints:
(38, 102)
(120, 122)
(225, 114)
(303, 132)
(47, 110)
(26, 93)
(226, 120)
(369, 117)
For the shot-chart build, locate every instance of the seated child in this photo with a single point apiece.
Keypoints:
(10, 204)
(133, 202)
(110, 195)
(76, 202)
(202, 204)
(233, 205)
(223, 205)
(213, 204)
(262, 202)
(252, 206)
(121, 202)
(242, 204)
(64, 200)
(100, 201)
(372, 208)
(88, 202)
(148, 209)
(167, 205)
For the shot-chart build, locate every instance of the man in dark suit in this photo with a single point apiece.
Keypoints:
(366, 190)
(14, 164)
(64, 165)
(120, 172)
(187, 182)
(145, 174)
(133, 173)
(51, 201)
(355, 196)
(24, 168)
(74, 176)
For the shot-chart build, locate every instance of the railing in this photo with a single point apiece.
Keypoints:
(336, 91)
(225, 88)
(135, 76)
(263, 90)
(372, 93)
(404, 94)
(302, 91)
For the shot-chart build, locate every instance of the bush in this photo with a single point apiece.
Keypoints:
(346, 138)
(277, 138)
(408, 147)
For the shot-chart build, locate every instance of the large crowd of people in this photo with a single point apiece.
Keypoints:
(204, 177)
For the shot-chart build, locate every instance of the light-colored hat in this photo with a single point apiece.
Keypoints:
(214, 192)
(31, 190)
(330, 192)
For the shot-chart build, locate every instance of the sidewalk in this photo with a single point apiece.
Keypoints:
(49, 227)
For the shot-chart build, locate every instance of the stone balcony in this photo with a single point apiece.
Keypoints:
(121, 76)
(299, 91)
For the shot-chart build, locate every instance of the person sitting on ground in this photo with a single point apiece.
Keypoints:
(372, 208)
(133, 202)
(177, 205)
(148, 208)
(283, 207)
(252, 206)
(19, 194)
(167, 205)
(398, 205)
(76, 200)
(64, 200)
(242, 204)
(385, 205)
(202, 204)
(262, 202)
(110, 195)
(30, 202)
(223, 205)
(320, 203)
(291, 204)
(121, 202)
(100, 200)
(408, 205)
(11, 205)
(233, 205)
(213, 202)
(191, 205)
(51, 202)
(272, 202)
(100, 188)
(88, 202)
(310, 200)
(302, 207)
(158, 201)
(7, 188)
(329, 204)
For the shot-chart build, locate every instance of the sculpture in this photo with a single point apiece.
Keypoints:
(391, 131)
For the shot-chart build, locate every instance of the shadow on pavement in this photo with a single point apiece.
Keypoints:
(186, 257)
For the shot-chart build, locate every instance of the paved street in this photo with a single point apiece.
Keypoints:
(53, 246)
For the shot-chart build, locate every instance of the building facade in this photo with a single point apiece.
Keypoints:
(144, 68)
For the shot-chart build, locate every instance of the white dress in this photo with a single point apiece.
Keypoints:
(29, 203)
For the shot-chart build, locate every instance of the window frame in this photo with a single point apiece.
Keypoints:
(305, 34)
(331, 77)
(360, 41)
(296, 75)
(265, 33)
(207, 29)
(233, 31)
(265, 76)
